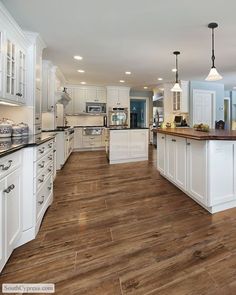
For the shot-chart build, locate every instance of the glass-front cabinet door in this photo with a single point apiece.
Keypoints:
(1, 64)
(176, 101)
(21, 85)
(11, 71)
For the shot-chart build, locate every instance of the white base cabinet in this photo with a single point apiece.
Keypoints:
(129, 145)
(10, 205)
(204, 169)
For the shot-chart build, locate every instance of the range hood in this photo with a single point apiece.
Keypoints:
(64, 97)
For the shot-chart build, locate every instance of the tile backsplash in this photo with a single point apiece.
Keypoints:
(85, 120)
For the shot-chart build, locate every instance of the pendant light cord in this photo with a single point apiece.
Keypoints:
(176, 74)
(213, 49)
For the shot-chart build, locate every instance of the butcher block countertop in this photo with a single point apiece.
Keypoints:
(213, 134)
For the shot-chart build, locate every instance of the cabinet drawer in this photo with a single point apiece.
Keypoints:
(92, 141)
(43, 194)
(44, 148)
(9, 163)
(43, 162)
(37, 128)
(42, 177)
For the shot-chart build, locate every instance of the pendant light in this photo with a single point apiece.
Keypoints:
(176, 87)
(213, 75)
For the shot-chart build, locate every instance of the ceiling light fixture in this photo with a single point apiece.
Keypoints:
(81, 71)
(213, 75)
(145, 87)
(122, 81)
(176, 87)
(160, 79)
(78, 57)
(83, 83)
(128, 73)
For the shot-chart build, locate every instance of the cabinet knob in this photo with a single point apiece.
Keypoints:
(4, 168)
(174, 140)
(188, 143)
(163, 137)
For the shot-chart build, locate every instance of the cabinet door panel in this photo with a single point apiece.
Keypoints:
(69, 109)
(13, 211)
(161, 154)
(101, 95)
(170, 157)
(80, 97)
(197, 169)
(124, 98)
(2, 226)
(138, 143)
(119, 145)
(180, 163)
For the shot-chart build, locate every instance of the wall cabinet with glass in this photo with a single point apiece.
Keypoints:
(181, 99)
(1, 64)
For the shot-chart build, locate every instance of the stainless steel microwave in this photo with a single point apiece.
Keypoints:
(95, 108)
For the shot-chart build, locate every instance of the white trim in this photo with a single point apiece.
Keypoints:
(213, 93)
(229, 124)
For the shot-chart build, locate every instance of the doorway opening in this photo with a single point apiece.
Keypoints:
(138, 113)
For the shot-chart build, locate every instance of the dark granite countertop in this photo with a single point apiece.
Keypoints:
(13, 144)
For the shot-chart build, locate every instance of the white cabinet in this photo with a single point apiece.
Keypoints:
(78, 135)
(2, 226)
(138, 143)
(10, 205)
(180, 100)
(119, 144)
(21, 80)
(48, 86)
(128, 145)
(197, 169)
(80, 98)
(176, 160)
(1, 63)
(81, 95)
(161, 152)
(118, 97)
(12, 210)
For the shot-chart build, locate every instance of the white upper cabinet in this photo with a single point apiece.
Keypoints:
(21, 81)
(81, 95)
(180, 100)
(118, 97)
(1, 64)
(10, 74)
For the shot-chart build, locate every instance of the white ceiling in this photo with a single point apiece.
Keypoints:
(115, 36)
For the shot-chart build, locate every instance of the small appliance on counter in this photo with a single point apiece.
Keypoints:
(179, 121)
(118, 118)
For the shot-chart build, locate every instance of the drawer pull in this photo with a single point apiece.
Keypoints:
(174, 140)
(49, 169)
(4, 168)
(9, 189)
(50, 187)
(163, 137)
(50, 158)
(41, 202)
(42, 165)
(54, 151)
(188, 143)
(41, 151)
(41, 179)
(50, 145)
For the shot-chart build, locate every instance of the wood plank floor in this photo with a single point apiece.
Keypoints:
(123, 229)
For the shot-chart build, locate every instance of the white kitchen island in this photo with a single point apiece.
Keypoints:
(202, 164)
(127, 145)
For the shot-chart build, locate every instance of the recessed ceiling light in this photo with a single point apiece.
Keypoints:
(122, 81)
(160, 79)
(234, 87)
(83, 83)
(145, 87)
(162, 89)
(128, 73)
(78, 57)
(81, 71)
(174, 70)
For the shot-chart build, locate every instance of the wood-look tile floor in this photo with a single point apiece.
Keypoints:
(123, 229)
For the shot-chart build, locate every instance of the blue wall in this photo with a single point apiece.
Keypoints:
(218, 88)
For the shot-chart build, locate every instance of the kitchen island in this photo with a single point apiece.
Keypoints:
(202, 164)
(127, 145)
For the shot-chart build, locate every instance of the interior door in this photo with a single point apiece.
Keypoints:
(204, 107)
